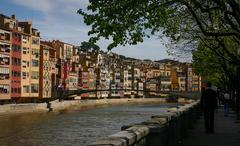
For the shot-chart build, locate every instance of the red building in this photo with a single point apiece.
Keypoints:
(84, 83)
(16, 64)
(66, 70)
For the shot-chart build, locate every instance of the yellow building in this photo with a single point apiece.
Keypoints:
(30, 61)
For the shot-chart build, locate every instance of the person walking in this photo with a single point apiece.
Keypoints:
(226, 104)
(209, 104)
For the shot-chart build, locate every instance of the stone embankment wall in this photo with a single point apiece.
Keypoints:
(57, 106)
(23, 108)
(167, 129)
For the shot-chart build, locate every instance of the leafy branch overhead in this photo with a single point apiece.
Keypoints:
(129, 21)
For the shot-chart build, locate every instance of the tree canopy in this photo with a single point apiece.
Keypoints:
(185, 21)
(88, 46)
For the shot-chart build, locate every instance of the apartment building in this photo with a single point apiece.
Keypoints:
(74, 71)
(152, 86)
(5, 63)
(196, 82)
(102, 75)
(84, 60)
(116, 82)
(137, 83)
(174, 79)
(182, 82)
(84, 82)
(90, 73)
(67, 65)
(16, 63)
(47, 71)
(127, 75)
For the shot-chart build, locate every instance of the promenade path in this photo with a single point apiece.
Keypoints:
(227, 132)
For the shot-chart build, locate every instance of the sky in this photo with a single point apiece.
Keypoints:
(58, 19)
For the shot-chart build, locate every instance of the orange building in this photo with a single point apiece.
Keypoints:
(174, 78)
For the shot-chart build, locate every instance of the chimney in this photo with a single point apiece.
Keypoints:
(14, 17)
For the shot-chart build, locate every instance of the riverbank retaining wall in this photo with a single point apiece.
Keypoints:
(62, 105)
(167, 129)
(23, 108)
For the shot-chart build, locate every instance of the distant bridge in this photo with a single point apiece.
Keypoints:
(145, 92)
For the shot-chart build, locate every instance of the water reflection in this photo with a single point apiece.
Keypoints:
(72, 127)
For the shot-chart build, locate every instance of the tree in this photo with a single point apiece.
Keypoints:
(185, 21)
(213, 67)
(215, 24)
(206, 63)
(88, 46)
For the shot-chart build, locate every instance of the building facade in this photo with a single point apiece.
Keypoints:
(5, 63)
(47, 71)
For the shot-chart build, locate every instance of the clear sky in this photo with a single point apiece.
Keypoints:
(58, 19)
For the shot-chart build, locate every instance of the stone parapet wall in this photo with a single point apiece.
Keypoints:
(167, 129)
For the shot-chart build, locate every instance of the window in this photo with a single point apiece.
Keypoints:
(34, 63)
(17, 36)
(182, 79)
(4, 59)
(68, 52)
(35, 41)
(5, 36)
(24, 64)
(5, 48)
(16, 90)
(35, 52)
(34, 88)
(168, 73)
(4, 89)
(23, 75)
(16, 74)
(45, 52)
(16, 61)
(35, 75)
(25, 39)
(4, 73)
(16, 48)
(25, 89)
(24, 50)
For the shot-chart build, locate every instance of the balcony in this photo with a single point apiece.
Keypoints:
(4, 89)
(5, 48)
(4, 60)
(4, 76)
(5, 36)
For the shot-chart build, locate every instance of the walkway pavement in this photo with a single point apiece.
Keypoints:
(227, 132)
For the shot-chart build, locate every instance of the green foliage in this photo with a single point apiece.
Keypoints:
(215, 66)
(88, 46)
(129, 21)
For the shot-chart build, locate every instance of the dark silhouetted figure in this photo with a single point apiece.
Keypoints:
(209, 104)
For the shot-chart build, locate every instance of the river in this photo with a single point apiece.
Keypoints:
(73, 127)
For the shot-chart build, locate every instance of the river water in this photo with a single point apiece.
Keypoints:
(73, 127)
